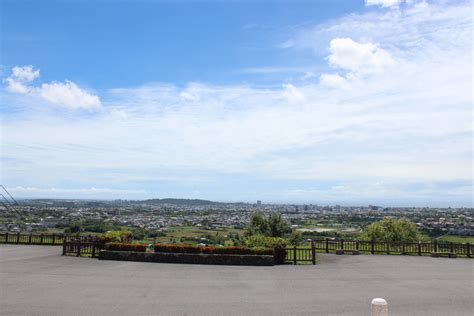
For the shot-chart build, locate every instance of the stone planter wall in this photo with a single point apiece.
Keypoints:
(218, 259)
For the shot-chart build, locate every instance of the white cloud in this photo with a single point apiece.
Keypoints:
(16, 86)
(66, 93)
(334, 81)
(17, 81)
(293, 94)
(91, 190)
(358, 57)
(116, 113)
(383, 3)
(274, 70)
(25, 73)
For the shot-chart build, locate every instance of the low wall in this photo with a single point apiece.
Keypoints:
(220, 259)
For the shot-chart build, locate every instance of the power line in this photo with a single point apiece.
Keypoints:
(9, 207)
(4, 189)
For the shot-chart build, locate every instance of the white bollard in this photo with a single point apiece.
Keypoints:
(379, 307)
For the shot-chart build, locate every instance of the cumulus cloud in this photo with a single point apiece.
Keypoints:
(18, 80)
(25, 73)
(384, 3)
(358, 57)
(66, 93)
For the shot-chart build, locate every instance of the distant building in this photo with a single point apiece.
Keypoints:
(259, 202)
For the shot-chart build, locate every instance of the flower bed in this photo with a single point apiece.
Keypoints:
(116, 246)
(173, 248)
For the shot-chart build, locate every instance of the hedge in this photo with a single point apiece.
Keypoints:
(116, 246)
(174, 248)
(243, 251)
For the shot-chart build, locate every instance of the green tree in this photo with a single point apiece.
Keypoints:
(273, 225)
(392, 230)
(258, 225)
(296, 238)
(277, 226)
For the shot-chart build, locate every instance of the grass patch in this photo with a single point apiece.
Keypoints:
(458, 239)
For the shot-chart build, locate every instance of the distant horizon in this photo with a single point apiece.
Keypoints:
(347, 102)
(320, 203)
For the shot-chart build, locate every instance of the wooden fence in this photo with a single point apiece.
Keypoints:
(89, 246)
(376, 247)
(297, 255)
(80, 248)
(32, 239)
(40, 239)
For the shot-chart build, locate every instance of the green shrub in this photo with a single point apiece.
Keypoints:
(296, 238)
(155, 234)
(174, 248)
(123, 236)
(260, 241)
(243, 251)
(116, 246)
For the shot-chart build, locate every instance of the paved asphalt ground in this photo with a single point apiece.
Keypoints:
(37, 280)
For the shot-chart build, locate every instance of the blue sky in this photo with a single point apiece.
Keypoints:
(348, 102)
(131, 43)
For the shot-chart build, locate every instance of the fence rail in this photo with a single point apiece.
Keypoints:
(81, 248)
(376, 247)
(329, 245)
(40, 239)
(297, 254)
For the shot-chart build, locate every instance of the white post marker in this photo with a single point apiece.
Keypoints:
(379, 307)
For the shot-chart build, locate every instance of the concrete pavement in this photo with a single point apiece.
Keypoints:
(37, 280)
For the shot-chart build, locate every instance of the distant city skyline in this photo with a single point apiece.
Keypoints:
(325, 102)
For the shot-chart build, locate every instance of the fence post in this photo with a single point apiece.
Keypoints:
(6, 237)
(468, 250)
(379, 307)
(29, 239)
(435, 245)
(313, 252)
(342, 243)
(452, 247)
(54, 239)
(41, 239)
(327, 245)
(64, 248)
(93, 249)
(78, 254)
(387, 246)
(17, 238)
(357, 244)
(419, 247)
(294, 255)
(372, 247)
